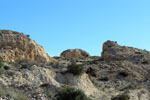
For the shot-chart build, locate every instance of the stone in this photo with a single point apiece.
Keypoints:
(82, 82)
(74, 53)
(15, 47)
(112, 51)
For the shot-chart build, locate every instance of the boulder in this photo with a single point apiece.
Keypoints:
(15, 47)
(74, 53)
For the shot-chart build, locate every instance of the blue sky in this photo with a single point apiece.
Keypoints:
(58, 25)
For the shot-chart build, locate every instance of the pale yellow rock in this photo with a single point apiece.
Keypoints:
(82, 82)
(15, 46)
(36, 77)
(139, 94)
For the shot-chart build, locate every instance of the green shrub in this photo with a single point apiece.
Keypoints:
(104, 79)
(11, 93)
(92, 72)
(24, 66)
(69, 93)
(76, 69)
(121, 97)
(123, 74)
(10, 73)
(1, 66)
(7, 67)
(1, 63)
(145, 61)
(20, 96)
(129, 87)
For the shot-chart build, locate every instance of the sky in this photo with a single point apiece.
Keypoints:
(58, 25)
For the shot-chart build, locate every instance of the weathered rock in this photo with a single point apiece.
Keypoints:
(36, 76)
(15, 46)
(3, 84)
(82, 82)
(74, 53)
(113, 51)
(44, 80)
(139, 94)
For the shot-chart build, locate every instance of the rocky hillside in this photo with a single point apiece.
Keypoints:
(15, 46)
(121, 73)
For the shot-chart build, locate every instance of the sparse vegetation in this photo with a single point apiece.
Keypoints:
(145, 61)
(142, 52)
(6, 67)
(121, 97)
(20, 96)
(12, 94)
(91, 71)
(97, 85)
(24, 65)
(76, 69)
(10, 73)
(123, 73)
(1, 66)
(70, 93)
(129, 87)
(104, 79)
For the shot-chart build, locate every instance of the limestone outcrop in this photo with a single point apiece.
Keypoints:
(74, 53)
(82, 82)
(15, 46)
(113, 51)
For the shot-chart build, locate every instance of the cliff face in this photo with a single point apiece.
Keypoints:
(15, 46)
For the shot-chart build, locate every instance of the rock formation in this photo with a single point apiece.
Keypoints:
(82, 82)
(15, 46)
(102, 79)
(74, 53)
(113, 51)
